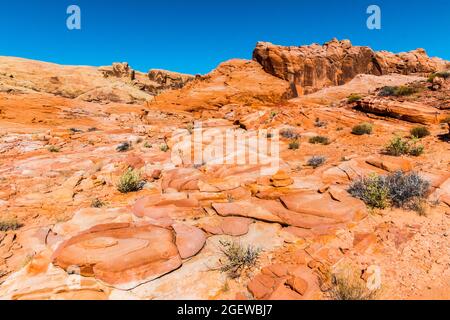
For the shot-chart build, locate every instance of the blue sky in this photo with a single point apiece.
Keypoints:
(194, 36)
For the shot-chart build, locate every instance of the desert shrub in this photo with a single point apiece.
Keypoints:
(443, 74)
(294, 145)
(362, 129)
(237, 258)
(75, 130)
(10, 224)
(405, 187)
(97, 203)
(416, 149)
(316, 161)
(418, 205)
(123, 147)
(372, 190)
(273, 114)
(398, 189)
(319, 123)
(347, 286)
(420, 132)
(397, 147)
(354, 97)
(319, 140)
(397, 91)
(147, 145)
(53, 149)
(130, 181)
(164, 147)
(289, 134)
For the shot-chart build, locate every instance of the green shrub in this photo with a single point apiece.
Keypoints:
(294, 145)
(53, 149)
(397, 91)
(10, 224)
(443, 74)
(420, 132)
(362, 129)
(372, 190)
(354, 97)
(130, 181)
(97, 203)
(237, 258)
(397, 147)
(319, 140)
(164, 147)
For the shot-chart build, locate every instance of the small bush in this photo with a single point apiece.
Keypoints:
(130, 181)
(404, 187)
(319, 140)
(294, 145)
(319, 123)
(372, 190)
(147, 145)
(397, 91)
(7, 225)
(398, 189)
(316, 161)
(443, 74)
(354, 97)
(289, 134)
(97, 203)
(397, 147)
(238, 258)
(420, 132)
(362, 129)
(347, 286)
(164, 147)
(123, 147)
(53, 149)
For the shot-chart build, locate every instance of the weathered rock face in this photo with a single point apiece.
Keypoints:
(236, 81)
(169, 80)
(313, 67)
(120, 254)
(403, 110)
(117, 83)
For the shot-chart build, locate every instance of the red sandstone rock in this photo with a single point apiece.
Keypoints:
(190, 240)
(314, 67)
(123, 255)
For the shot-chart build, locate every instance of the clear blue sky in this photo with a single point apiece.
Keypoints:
(193, 36)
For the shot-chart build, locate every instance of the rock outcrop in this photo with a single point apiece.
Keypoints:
(314, 67)
(403, 110)
(117, 83)
(241, 82)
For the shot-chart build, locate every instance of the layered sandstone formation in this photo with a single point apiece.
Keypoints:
(315, 66)
(233, 82)
(117, 83)
(67, 232)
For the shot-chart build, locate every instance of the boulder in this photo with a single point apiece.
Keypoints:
(122, 255)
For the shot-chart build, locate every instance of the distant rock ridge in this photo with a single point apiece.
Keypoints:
(313, 67)
(116, 83)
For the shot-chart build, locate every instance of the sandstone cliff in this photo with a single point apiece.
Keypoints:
(314, 67)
